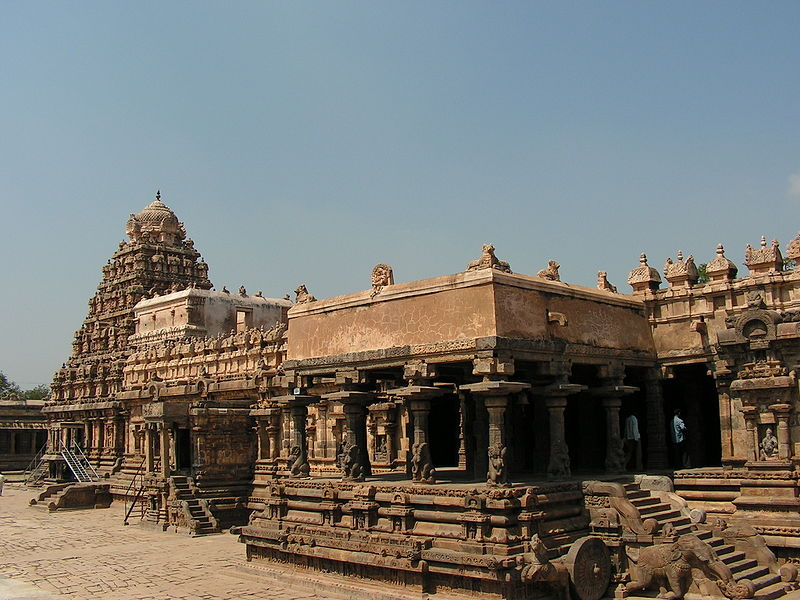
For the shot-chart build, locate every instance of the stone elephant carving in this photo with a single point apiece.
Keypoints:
(670, 567)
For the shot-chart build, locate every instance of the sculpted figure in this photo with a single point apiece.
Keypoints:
(538, 568)
(302, 295)
(351, 467)
(421, 463)
(669, 566)
(382, 275)
(242, 291)
(551, 272)
(603, 283)
(559, 462)
(497, 474)
(488, 261)
(298, 466)
(769, 445)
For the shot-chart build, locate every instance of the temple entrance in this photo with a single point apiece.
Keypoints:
(585, 423)
(444, 427)
(692, 391)
(183, 449)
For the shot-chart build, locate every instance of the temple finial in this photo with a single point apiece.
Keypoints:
(158, 195)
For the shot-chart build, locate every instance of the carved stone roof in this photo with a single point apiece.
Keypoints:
(765, 259)
(681, 273)
(721, 268)
(644, 277)
(793, 249)
(155, 222)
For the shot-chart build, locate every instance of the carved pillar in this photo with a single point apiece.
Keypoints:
(657, 455)
(418, 399)
(355, 460)
(273, 432)
(163, 432)
(148, 447)
(558, 465)
(322, 429)
(750, 413)
(611, 395)
(784, 438)
(298, 452)
(263, 442)
(495, 397)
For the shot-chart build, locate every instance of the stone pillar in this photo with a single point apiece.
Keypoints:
(148, 447)
(783, 434)
(355, 460)
(298, 453)
(657, 455)
(163, 432)
(615, 455)
(322, 429)
(273, 433)
(750, 413)
(558, 465)
(496, 397)
(422, 468)
(263, 443)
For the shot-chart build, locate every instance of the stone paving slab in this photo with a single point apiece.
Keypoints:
(90, 554)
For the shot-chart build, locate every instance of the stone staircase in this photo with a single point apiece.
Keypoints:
(768, 584)
(199, 517)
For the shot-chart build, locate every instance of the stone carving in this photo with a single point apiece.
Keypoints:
(497, 475)
(382, 275)
(551, 272)
(768, 446)
(488, 261)
(644, 277)
(628, 515)
(242, 291)
(303, 296)
(793, 249)
(537, 567)
(615, 456)
(604, 284)
(589, 566)
(681, 273)
(350, 462)
(558, 466)
(421, 463)
(669, 566)
(298, 465)
(721, 268)
(557, 317)
(764, 259)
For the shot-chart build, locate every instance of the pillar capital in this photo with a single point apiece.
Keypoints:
(496, 388)
(418, 392)
(559, 390)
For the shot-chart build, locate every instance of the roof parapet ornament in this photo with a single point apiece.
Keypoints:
(488, 261)
(681, 274)
(644, 277)
(382, 275)
(765, 259)
(721, 268)
(302, 295)
(551, 272)
(604, 284)
(793, 249)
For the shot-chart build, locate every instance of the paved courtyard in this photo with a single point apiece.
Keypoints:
(90, 554)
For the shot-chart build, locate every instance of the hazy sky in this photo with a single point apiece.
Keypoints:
(304, 142)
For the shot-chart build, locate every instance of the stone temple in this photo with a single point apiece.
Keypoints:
(480, 433)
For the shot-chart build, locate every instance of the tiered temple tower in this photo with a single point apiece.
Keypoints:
(157, 258)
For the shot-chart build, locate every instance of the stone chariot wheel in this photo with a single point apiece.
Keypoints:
(589, 567)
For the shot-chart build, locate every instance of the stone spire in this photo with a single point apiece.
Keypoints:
(644, 277)
(793, 249)
(765, 259)
(721, 268)
(157, 259)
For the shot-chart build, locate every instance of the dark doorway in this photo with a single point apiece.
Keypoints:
(692, 390)
(183, 449)
(443, 431)
(585, 423)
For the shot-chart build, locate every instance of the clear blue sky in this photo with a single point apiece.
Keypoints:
(304, 142)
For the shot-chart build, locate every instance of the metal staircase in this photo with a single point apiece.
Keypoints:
(38, 469)
(78, 463)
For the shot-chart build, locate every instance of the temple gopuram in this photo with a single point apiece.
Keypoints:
(483, 433)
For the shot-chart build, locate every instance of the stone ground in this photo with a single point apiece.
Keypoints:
(91, 554)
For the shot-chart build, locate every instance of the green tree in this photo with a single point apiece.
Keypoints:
(37, 393)
(702, 273)
(7, 386)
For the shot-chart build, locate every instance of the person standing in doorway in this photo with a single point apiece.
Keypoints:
(678, 431)
(632, 438)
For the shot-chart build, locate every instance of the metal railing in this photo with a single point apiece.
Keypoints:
(137, 475)
(78, 463)
(37, 468)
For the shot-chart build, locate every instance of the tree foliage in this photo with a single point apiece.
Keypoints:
(702, 273)
(9, 387)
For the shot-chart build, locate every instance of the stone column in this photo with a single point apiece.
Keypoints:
(322, 429)
(148, 447)
(784, 438)
(273, 433)
(558, 466)
(496, 397)
(355, 460)
(298, 453)
(611, 395)
(263, 443)
(749, 413)
(657, 455)
(418, 399)
(163, 432)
